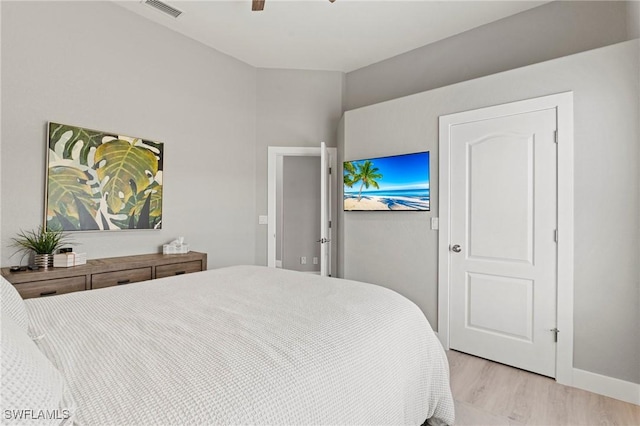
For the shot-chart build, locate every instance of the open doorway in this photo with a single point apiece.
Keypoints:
(298, 213)
(301, 187)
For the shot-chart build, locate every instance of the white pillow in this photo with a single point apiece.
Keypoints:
(13, 305)
(33, 391)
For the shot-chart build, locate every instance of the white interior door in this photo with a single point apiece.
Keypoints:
(503, 253)
(325, 211)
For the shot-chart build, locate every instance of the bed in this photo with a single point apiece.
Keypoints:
(236, 345)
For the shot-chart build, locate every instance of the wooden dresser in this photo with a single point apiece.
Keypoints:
(100, 273)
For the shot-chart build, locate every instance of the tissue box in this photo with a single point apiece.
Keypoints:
(175, 248)
(65, 260)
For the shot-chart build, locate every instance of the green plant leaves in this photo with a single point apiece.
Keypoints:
(349, 174)
(363, 172)
(40, 241)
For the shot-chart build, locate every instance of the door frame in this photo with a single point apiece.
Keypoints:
(275, 154)
(563, 103)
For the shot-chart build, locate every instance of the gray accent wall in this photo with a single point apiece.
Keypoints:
(553, 30)
(400, 251)
(633, 19)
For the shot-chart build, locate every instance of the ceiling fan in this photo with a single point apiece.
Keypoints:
(257, 5)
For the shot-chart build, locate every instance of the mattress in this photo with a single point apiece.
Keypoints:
(245, 345)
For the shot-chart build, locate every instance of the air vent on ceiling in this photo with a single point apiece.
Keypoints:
(164, 8)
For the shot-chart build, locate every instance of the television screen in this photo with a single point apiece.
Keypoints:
(399, 182)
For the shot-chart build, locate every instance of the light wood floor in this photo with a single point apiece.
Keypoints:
(488, 393)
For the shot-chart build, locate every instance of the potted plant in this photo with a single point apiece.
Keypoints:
(43, 243)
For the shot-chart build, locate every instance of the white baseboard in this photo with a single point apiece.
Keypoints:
(607, 386)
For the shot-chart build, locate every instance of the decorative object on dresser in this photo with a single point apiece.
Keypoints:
(175, 247)
(42, 243)
(67, 259)
(106, 272)
(98, 181)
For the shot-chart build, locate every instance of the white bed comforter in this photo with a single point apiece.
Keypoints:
(245, 345)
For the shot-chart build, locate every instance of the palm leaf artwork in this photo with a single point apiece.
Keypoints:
(68, 186)
(123, 167)
(74, 138)
(135, 207)
(102, 181)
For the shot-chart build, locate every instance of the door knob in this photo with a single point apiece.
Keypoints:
(456, 248)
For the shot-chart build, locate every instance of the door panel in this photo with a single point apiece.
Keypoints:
(501, 222)
(501, 305)
(503, 217)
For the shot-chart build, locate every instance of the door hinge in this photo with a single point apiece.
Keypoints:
(555, 334)
(555, 136)
(330, 170)
(555, 235)
(329, 224)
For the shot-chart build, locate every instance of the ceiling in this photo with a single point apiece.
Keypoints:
(319, 35)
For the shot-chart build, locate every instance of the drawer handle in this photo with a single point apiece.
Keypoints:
(181, 272)
(124, 282)
(48, 293)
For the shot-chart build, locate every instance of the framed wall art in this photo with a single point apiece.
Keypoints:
(102, 181)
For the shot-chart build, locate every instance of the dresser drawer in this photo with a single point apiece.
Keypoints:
(178, 269)
(108, 279)
(106, 272)
(50, 287)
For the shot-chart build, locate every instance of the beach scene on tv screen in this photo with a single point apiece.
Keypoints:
(398, 182)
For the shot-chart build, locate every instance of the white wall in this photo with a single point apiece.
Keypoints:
(399, 250)
(294, 108)
(96, 65)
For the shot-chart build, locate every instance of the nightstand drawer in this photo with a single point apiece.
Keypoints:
(50, 287)
(178, 269)
(108, 279)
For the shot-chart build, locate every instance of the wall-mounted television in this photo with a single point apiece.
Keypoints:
(398, 182)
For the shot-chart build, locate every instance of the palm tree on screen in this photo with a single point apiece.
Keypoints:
(349, 174)
(367, 175)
